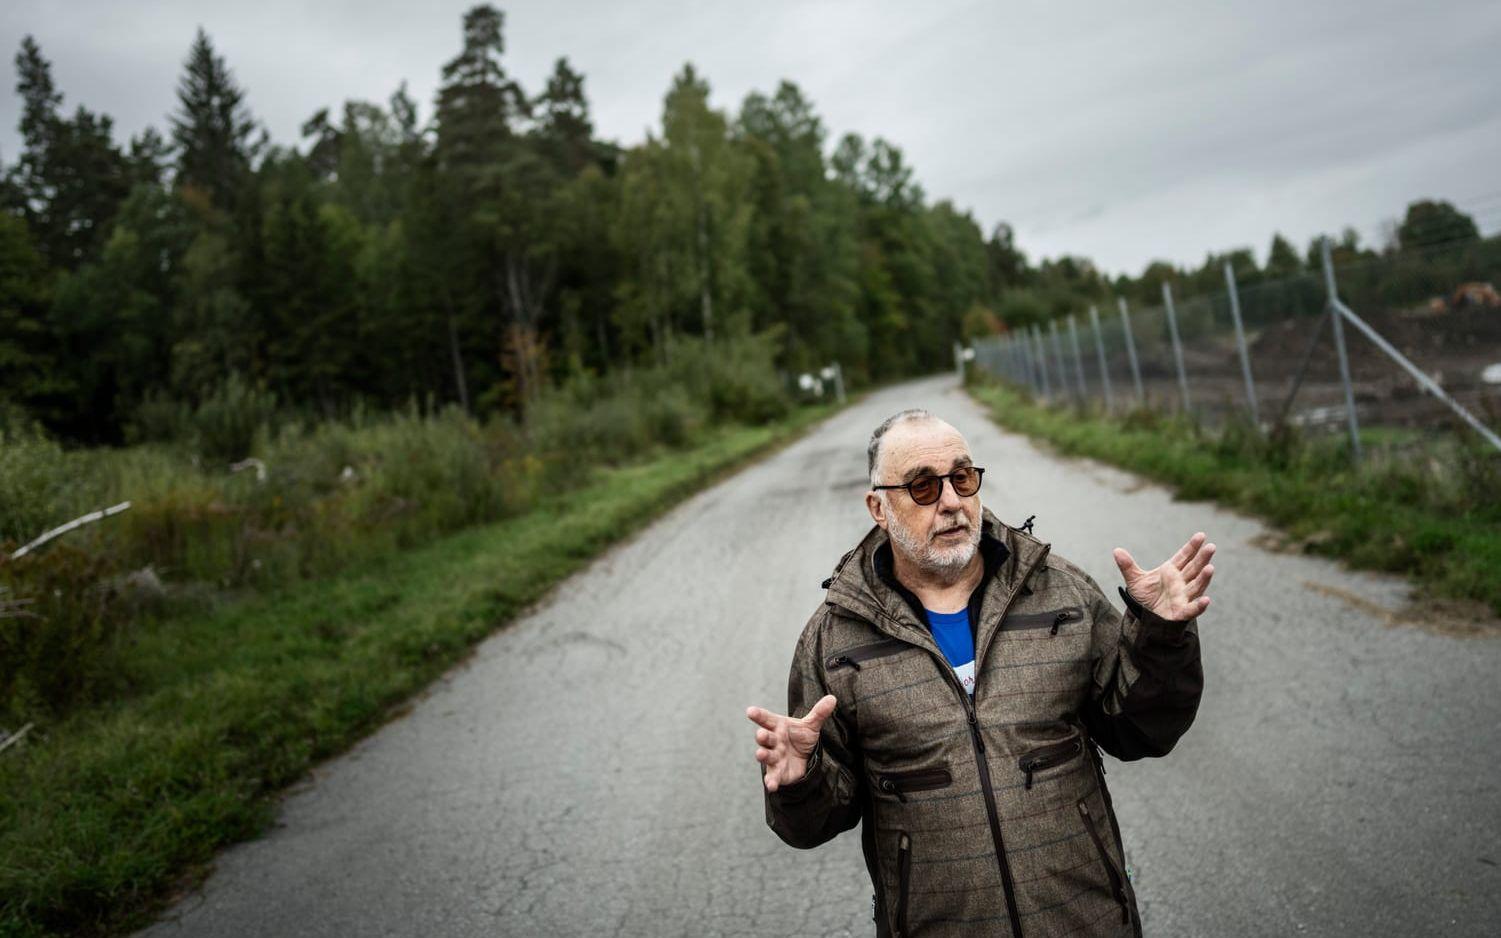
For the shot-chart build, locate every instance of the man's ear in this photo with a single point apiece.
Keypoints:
(876, 507)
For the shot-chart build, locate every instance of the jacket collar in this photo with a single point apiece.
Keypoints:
(859, 586)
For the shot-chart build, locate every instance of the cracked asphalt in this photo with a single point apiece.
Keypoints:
(589, 770)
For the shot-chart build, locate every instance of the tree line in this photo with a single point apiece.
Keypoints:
(494, 250)
(476, 257)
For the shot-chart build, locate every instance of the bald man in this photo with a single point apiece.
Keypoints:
(953, 692)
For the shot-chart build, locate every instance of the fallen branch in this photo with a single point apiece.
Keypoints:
(75, 523)
(15, 737)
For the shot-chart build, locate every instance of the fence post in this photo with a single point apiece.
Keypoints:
(1034, 377)
(1099, 350)
(1141, 397)
(1172, 329)
(1073, 340)
(1042, 362)
(1339, 346)
(1240, 343)
(1063, 382)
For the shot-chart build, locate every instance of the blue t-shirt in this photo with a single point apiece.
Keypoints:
(951, 631)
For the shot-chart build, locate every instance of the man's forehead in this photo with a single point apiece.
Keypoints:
(931, 443)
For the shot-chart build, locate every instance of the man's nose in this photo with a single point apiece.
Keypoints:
(948, 499)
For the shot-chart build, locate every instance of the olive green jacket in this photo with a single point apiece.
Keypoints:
(990, 816)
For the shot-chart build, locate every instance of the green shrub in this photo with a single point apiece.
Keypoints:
(226, 423)
(41, 485)
(736, 376)
(673, 417)
(160, 418)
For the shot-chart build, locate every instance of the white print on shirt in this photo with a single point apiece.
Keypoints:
(966, 675)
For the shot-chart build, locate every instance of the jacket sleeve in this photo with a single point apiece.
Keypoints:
(827, 800)
(1147, 680)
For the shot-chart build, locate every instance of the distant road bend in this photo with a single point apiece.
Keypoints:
(589, 771)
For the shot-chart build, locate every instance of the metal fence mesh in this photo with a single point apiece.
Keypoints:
(1437, 308)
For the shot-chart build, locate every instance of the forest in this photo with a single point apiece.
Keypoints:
(483, 256)
(479, 257)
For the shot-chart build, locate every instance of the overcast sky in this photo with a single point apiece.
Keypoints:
(1118, 131)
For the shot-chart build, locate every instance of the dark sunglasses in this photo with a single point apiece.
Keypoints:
(925, 490)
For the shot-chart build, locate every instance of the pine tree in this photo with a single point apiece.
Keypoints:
(71, 178)
(213, 129)
(478, 104)
(563, 123)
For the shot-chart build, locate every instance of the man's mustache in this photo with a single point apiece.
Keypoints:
(962, 526)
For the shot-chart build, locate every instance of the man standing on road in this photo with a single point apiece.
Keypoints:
(951, 692)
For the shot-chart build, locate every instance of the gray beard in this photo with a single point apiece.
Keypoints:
(940, 562)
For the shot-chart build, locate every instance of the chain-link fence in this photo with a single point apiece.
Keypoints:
(1390, 348)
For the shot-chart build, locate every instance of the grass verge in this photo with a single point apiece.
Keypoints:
(106, 811)
(1434, 518)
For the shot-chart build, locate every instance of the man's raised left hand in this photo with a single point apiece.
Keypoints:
(1174, 590)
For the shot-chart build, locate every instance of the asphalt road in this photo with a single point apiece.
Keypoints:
(589, 771)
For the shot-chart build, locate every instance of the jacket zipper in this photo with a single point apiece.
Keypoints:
(1093, 754)
(1115, 877)
(899, 783)
(903, 880)
(1048, 757)
(851, 657)
(993, 814)
(1042, 620)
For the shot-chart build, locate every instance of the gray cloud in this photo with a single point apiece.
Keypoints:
(1123, 132)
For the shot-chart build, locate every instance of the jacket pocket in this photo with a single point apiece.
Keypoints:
(1117, 883)
(853, 657)
(903, 880)
(1051, 620)
(1048, 757)
(900, 783)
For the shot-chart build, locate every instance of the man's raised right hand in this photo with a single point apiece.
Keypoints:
(783, 744)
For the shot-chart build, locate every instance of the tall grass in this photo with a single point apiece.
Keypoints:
(104, 809)
(305, 499)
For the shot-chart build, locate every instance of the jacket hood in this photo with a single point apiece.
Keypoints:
(857, 587)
